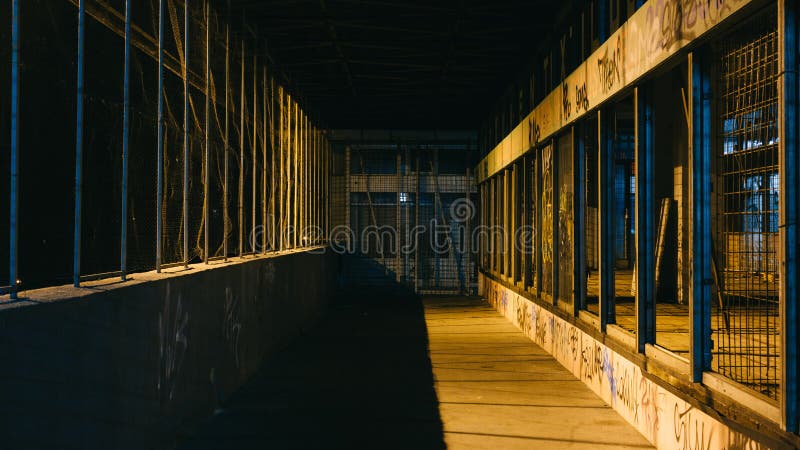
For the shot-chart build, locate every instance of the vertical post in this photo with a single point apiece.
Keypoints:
(279, 182)
(416, 224)
(645, 246)
(537, 219)
(512, 209)
(467, 235)
(76, 249)
(605, 190)
(492, 221)
(579, 211)
(524, 203)
(13, 204)
(241, 157)
(296, 175)
(789, 163)
(252, 232)
(186, 136)
(160, 134)
(700, 176)
(288, 174)
(207, 158)
(126, 106)
(397, 234)
(507, 225)
(226, 144)
(326, 187)
(265, 119)
(272, 167)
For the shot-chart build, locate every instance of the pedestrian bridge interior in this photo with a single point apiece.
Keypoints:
(378, 224)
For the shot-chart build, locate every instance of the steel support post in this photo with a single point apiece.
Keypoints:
(605, 189)
(645, 225)
(126, 106)
(186, 135)
(579, 217)
(207, 156)
(241, 156)
(76, 249)
(789, 150)
(13, 206)
(700, 176)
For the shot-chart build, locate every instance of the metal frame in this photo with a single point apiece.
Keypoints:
(789, 163)
(645, 231)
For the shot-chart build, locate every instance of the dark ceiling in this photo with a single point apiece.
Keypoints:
(391, 64)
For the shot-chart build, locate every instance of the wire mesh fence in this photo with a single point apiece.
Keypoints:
(746, 318)
(160, 130)
(402, 216)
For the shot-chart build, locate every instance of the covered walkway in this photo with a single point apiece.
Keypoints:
(395, 372)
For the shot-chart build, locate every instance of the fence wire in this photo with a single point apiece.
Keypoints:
(747, 196)
(218, 91)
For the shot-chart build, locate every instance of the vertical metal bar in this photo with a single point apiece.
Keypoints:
(645, 227)
(467, 234)
(207, 158)
(397, 218)
(279, 172)
(524, 203)
(226, 214)
(160, 133)
(512, 222)
(76, 249)
(301, 162)
(241, 158)
(126, 102)
(289, 173)
(789, 167)
(327, 187)
(296, 175)
(272, 168)
(264, 120)
(13, 207)
(537, 218)
(579, 208)
(605, 190)
(700, 174)
(416, 225)
(186, 135)
(492, 223)
(283, 173)
(254, 181)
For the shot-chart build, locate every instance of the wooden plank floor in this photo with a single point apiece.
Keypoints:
(498, 390)
(384, 373)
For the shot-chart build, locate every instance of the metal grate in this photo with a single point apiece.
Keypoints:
(566, 215)
(404, 217)
(746, 224)
(547, 219)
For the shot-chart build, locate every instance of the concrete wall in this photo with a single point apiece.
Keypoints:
(136, 365)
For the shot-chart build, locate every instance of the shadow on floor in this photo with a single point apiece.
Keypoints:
(361, 379)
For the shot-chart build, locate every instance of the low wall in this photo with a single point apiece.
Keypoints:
(137, 364)
(665, 419)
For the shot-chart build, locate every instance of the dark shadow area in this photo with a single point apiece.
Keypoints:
(361, 379)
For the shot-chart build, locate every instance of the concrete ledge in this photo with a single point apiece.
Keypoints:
(132, 365)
